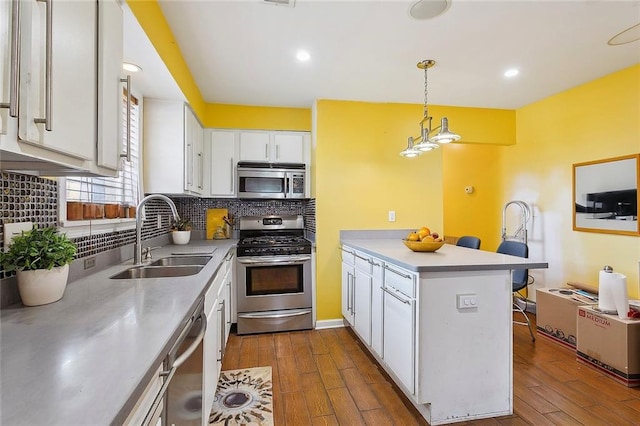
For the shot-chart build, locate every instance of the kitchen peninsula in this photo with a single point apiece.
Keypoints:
(439, 323)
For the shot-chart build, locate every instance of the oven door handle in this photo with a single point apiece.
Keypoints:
(279, 315)
(289, 260)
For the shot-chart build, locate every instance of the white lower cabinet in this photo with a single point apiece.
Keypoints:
(348, 278)
(378, 301)
(212, 344)
(376, 308)
(399, 325)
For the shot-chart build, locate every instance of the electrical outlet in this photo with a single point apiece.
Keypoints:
(467, 301)
(392, 216)
(12, 229)
(90, 262)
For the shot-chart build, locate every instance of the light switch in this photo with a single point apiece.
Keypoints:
(13, 229)
(392, 216)
(467, 301)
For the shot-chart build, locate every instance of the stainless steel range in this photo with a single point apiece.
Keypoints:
(273, 275)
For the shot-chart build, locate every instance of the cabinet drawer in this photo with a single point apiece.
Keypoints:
(363, 263)
(400, 279)
(348, 255)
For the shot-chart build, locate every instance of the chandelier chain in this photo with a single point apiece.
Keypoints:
(426, 92)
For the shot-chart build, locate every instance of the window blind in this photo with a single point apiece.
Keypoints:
(123, 189)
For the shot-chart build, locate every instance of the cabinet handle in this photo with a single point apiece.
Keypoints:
(277, 152)
(397, 272)
(347, 251)
(189, 166)
(266, 152)
(201, 167)
(127, 155)
(405, 301)
(48, 94)
(348, 291)
(222, 329)
(231, 177)
(15, 60)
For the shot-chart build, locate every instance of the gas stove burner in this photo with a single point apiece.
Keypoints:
(273, 239)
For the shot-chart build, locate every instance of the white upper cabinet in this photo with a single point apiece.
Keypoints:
(173, 149)
(222, 155)
(70, 61)
(110, 114)
(290, 147)
(274, 146)
(6, 63)
(59, 97)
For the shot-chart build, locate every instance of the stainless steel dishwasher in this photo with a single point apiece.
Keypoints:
(181, 392)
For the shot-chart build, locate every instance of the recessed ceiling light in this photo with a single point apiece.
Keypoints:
(511, 72)
(427, 9)
(303, 56)
(127, 66)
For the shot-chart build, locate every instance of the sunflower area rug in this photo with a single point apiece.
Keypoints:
(243, 397)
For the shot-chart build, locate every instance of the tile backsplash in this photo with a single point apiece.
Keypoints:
(31, 198)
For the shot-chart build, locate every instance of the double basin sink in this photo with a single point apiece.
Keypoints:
(175, 266)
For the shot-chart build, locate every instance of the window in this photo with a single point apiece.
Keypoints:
(101, 198)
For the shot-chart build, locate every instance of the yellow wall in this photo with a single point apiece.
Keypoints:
(476, 213)
(597, 120)
(256, 117)
(151, 19)
(360, 176)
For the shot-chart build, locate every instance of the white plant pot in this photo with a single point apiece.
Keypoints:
(42, 286)
(181, 237)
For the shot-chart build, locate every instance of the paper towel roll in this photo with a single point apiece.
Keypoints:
(612, 293)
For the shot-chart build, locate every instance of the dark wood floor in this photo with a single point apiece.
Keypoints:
(325, 377)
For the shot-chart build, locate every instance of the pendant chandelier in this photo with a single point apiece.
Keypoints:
(425, 142)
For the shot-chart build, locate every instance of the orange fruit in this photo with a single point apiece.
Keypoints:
(425, 229)
(422, 233)
(413, 236)
(427, 238)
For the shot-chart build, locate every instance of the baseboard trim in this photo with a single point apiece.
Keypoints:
(333, 323)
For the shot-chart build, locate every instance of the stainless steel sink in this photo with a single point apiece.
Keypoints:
(182, 260)
(147, 271)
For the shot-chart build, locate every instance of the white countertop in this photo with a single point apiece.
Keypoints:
(447, 258)
(81, 360)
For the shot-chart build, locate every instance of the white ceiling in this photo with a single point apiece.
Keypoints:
(243, 51)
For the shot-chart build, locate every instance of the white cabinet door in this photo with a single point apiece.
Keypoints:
(110, 114)
(222, 162)
(194, 153)
(197, 137)
(362, 305)
(255, 146)
(6, 40)
(231, 291)
(211, 349)
(164, 151)
(275, 146)
(399, 337)
(288, 147)
(71, 112)
(347, 292)
(376, 307)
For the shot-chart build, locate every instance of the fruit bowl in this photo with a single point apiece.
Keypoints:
(429, 246)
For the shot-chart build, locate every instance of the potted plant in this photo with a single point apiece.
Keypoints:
(41, 259)
(181, 231)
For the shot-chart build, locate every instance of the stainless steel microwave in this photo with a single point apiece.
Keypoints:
(271, 180)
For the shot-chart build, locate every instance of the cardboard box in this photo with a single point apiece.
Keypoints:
(556, 310)
(609, 344)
